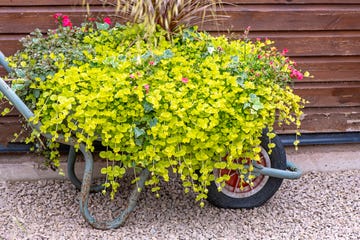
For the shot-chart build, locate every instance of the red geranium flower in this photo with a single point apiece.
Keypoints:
(107, 20)
(66, 22)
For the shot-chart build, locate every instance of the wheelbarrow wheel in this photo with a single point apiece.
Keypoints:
(236, 195)
(72, 175)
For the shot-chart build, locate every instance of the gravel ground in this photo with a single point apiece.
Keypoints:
(318, 206)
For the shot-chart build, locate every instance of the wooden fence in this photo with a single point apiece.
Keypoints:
(323, 36)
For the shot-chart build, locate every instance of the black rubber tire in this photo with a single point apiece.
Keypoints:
(278, 161)
(72, 176)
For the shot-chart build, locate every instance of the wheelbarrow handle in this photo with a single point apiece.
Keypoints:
(4, 63)
(292, 171)
(11, 95)
(15, 100)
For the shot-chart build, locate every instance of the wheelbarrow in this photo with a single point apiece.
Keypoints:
(269, 172)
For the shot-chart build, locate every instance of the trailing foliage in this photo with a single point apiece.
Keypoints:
(180, 105)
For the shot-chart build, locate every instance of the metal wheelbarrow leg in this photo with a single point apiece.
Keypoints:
(71, 160)
(85, 191)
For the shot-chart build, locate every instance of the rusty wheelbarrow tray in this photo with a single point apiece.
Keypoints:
(289, 171)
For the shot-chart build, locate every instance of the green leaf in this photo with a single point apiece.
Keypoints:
(139, 141)
(148, 107)
(138, 132)
(210, 50)
(246, 105)
(102, 26)
(241, 79)
(257, 106)
(153, 122)
(234, 59)
(253, 97)
(220, 165)
(104, 170)
(167, 54)
(5, 111)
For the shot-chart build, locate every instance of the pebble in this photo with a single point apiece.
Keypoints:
(317, 206)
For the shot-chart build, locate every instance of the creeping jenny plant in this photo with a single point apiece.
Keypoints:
(178, 105)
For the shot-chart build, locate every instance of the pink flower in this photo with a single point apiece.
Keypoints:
(66, 22)
(185, 80)
(284, 51)
(64, 19)
(258, 39)
(296, 74)
(147, 87)
(132, 76)
(259, 56)
(107, 20)
(56, 16)
(152, 63)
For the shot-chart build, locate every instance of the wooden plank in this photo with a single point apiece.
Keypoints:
(291, 1)
(8, 127)
(46, 2)
(29, 18)
(339, 95)
(330, 69)
(288, 17)
(9, 44)
(261, 18)
(329, 44)
(317, 120)
(98, 2)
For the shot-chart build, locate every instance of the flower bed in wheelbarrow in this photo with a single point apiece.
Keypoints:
(156, 100)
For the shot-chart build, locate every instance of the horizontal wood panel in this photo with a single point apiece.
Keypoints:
(330, 96)
(291, 1)
(9, 44)
(97, 2)
(288, 18)
(330, 69)
(261, 18)
(29, 18)
(9, 125)
(316, 120)
(46, 2)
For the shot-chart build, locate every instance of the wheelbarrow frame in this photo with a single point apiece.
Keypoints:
(292, 171)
